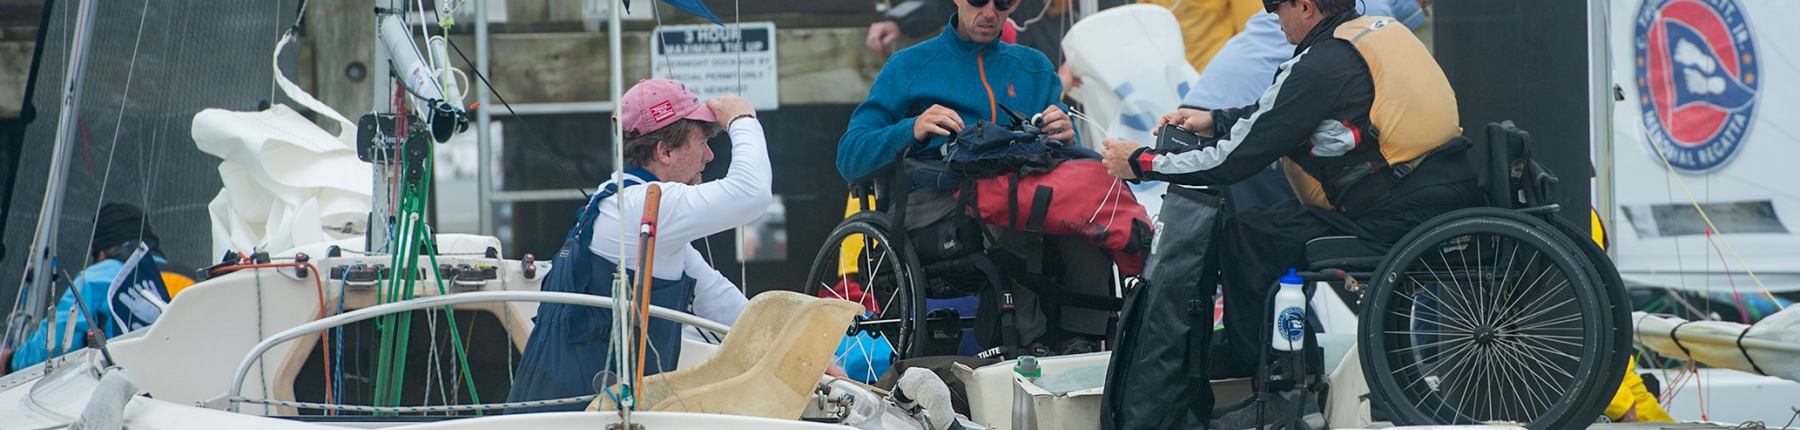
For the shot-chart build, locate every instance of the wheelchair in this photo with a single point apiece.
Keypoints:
(870, 250)
(1505, 313)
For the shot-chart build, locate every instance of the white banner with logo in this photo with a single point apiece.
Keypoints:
(1713, 87)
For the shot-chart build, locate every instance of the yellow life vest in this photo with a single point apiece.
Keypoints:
(1414, 110)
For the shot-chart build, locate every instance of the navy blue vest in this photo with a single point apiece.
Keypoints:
(571, 343)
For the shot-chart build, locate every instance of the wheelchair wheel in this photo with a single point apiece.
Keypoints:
(858, 252)
(1620, 303)
(1488, 315)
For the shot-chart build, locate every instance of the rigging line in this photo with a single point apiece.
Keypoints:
(299, 14)
(1680, 260)
(456, 342)
(1709, 222)
(737, 22)
(118, 123)
(337, 374)
(656, 13)
(1743, 312)
(529, 131)
(425, 35)
(434, 367)
(278, 32)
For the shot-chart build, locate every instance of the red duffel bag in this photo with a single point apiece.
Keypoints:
(1076, 197)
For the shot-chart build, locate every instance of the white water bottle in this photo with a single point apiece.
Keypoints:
(1290, 314)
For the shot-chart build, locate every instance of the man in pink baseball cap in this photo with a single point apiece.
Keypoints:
(666, 130)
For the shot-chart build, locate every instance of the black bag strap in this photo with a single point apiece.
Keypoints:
(1040, 208)
(1199, 326)
(1012, 201)
(1009, 325)
(1034, 228)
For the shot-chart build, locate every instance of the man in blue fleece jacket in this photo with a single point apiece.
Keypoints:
(931, 90)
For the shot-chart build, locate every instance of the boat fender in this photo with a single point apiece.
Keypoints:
(106, 408)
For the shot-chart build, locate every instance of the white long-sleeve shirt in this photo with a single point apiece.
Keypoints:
(690, 212)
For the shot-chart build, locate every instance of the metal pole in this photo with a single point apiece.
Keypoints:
(1600, 93)
(616, 68)
(483, 140)
(615, 56)
(43, 243)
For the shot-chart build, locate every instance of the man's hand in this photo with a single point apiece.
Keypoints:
(1198, 121)
(882, 35)
(728, 107)
(937, 121)
(1056, 124)
(1117, 158)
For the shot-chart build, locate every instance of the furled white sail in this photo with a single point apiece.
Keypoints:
(287, 182)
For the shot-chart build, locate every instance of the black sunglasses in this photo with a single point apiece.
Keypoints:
(1270, 5)
(998, 4)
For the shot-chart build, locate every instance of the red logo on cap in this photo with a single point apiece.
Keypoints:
(662, 111)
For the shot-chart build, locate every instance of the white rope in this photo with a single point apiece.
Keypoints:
(417, 409)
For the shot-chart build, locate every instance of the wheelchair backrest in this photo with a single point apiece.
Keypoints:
(1508, 174)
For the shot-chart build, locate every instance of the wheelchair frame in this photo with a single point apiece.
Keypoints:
(906, 327)
(1512, 352)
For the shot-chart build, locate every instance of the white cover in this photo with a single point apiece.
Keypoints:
(1774, 342)
(287, 182)
(1133, 67)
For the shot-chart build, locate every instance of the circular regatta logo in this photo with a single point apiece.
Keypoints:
(1291, 324)
(1697, 79)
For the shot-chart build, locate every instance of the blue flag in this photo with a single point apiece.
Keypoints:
(137, 294)
(690, 6)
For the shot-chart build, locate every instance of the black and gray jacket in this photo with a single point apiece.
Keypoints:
(1316, 114)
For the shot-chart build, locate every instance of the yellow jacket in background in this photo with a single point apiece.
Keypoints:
(1206, 24)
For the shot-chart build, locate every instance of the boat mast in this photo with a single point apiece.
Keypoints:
(616, 81)
(43, 242)
(1600, 113)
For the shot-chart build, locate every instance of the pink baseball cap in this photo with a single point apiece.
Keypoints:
(655, 103)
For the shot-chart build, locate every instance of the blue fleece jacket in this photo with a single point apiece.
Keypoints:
(947, 70)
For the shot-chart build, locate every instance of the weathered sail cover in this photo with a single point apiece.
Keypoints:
(1713, 87)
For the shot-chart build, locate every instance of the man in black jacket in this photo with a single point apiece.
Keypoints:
(1360, 119)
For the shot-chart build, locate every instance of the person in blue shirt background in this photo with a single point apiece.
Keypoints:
(117, 225)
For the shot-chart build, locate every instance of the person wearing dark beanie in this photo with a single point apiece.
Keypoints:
(117, 224)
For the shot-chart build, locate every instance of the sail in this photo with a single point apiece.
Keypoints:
(1712, 89)
(148, 72)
